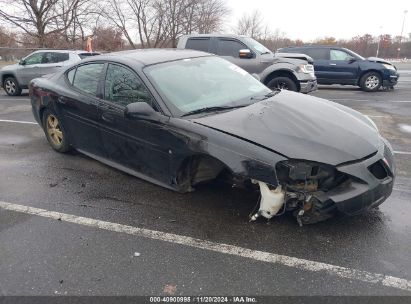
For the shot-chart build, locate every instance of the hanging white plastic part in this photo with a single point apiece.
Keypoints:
(271, 201)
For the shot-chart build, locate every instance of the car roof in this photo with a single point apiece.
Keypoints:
(308, 46)
(152, 56)
(63, 51)
(215, 35)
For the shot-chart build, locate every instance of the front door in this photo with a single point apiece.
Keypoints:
(229, 49)
(136, 144)
(343, 67)
(30, 68)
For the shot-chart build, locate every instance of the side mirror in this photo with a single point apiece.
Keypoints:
(22, 62)
(246, 53)
(138, 109)
(351, 60)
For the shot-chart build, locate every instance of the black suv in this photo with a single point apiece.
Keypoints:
(336, 65)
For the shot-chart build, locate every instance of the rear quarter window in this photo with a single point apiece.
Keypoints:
(199, 44)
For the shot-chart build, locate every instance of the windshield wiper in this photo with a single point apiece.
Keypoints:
(213, 109)
(266, 96)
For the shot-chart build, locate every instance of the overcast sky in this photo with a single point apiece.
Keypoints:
(311, 19)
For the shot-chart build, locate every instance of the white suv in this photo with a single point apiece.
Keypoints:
(14, 78)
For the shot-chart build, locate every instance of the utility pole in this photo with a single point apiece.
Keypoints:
(402, 30)
(379, 41)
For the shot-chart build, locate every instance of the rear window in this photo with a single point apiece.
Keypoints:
(199, 44)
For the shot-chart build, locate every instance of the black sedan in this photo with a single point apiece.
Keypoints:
(179, 118)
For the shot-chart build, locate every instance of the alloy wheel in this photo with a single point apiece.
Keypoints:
(54, 130)
(10, 86)
(372, 82)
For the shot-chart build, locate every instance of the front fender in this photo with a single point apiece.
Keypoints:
(240, 156)
(277, 67)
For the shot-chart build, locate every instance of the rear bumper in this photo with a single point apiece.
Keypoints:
(364, 190)
(308, 86)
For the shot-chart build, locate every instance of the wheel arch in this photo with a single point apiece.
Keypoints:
(368, 71)
(198, 168)
(282, 73)
(6, 75)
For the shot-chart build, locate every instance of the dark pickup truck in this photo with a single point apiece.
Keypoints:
(337, 65)
(293, 72)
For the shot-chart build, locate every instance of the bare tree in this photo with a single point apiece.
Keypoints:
(39, 18)
(251, 25)
(159, 23)
(210, 16)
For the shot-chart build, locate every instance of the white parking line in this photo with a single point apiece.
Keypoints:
(272, 258)
(402, 152)
(19, 121)
(371, 100)
(14, 99)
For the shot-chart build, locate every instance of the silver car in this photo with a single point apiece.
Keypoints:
(14, 78)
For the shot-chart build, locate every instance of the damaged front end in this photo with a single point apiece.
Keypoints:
(314, 191)
(302, 188)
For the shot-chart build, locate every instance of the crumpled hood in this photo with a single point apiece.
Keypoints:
(301, 127)
(379, 60)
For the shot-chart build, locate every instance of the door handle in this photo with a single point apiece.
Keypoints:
(61, 100)
(107, 117)
(333, 64)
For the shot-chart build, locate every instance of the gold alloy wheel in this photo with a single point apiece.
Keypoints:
(54, 130)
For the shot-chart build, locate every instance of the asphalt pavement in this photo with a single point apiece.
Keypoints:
(70, 225)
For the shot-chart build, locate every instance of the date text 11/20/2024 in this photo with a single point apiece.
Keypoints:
(203, 299)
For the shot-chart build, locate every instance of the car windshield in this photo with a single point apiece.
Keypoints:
(205, 82)
(257, 46)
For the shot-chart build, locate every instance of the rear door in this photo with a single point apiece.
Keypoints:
(229, 49)
(79, 104)
(322, 67)
(199, 44)
(52, 62)
(137, 144)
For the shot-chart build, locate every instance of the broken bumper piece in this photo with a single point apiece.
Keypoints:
(271, 201)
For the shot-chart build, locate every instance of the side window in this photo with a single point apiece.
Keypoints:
(122, 86)
(36, 58)
(199, 44)
(87, 76)
(317, 54)
(54, 57)
(229, 47)
(339, 55)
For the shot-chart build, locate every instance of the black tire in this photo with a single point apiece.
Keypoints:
(283, 83)
(370, 82)
(55, 132)
(11, 86)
